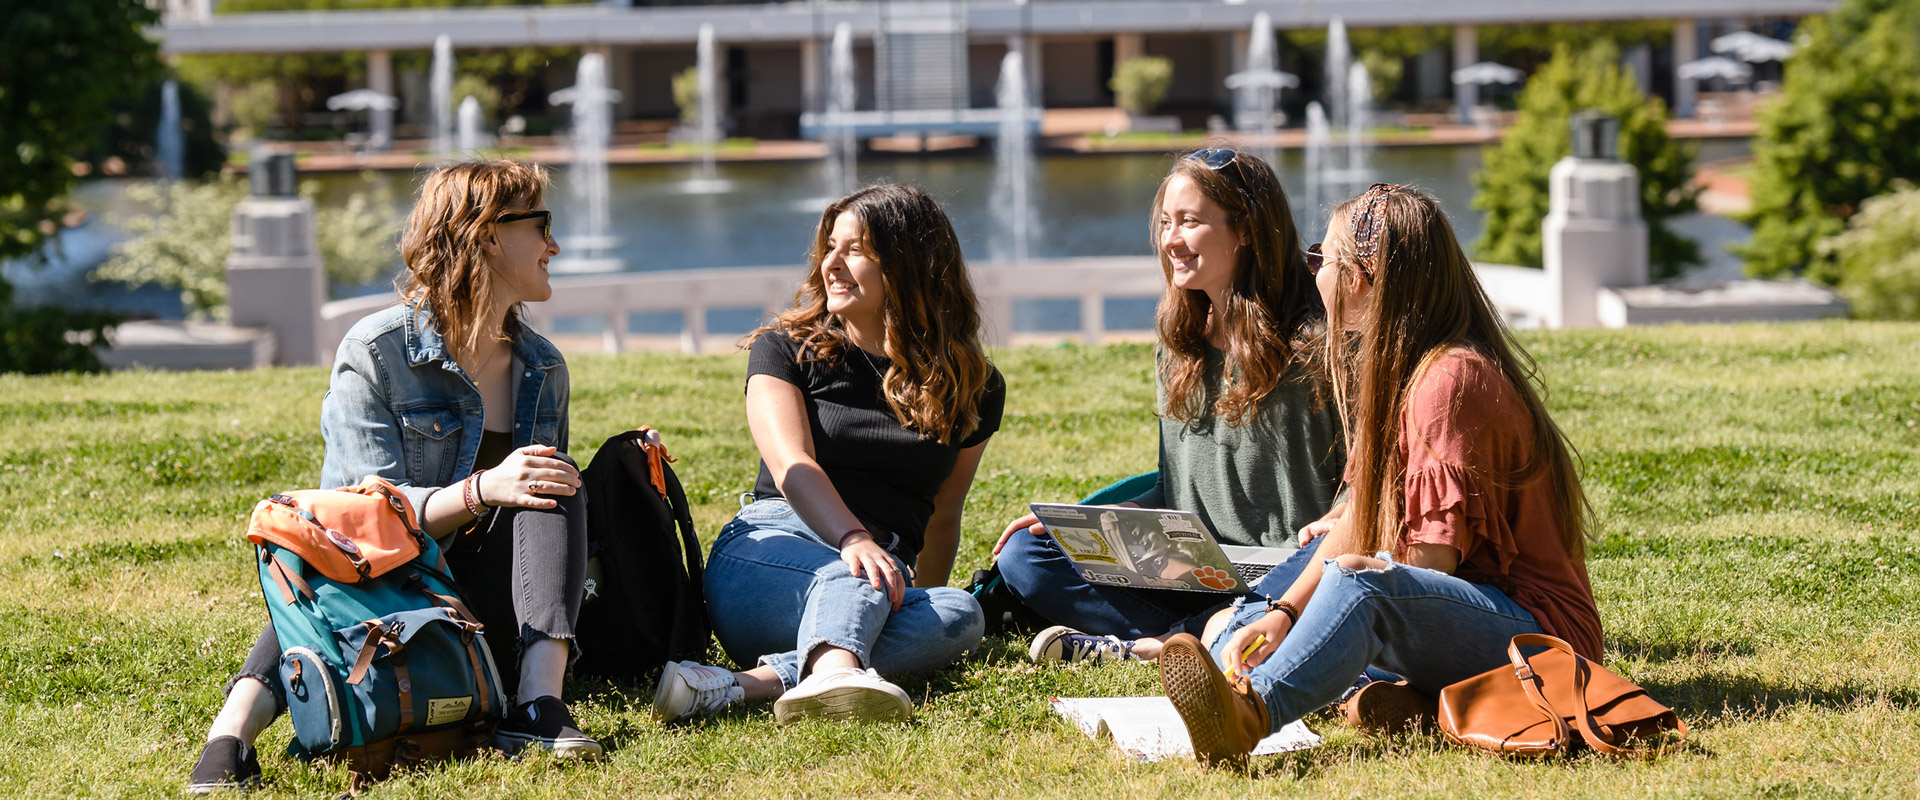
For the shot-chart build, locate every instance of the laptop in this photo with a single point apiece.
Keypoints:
(1153, 548)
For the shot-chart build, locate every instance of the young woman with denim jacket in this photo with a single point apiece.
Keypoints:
(1466, 524)
(1248, 436)
(871, 401)
(451, 397)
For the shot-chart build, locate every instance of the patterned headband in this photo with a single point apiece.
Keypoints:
(1366, 223)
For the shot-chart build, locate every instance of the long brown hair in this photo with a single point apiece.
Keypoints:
(1425, 302)
(939, 370)
(1271, 305)
(442, 246)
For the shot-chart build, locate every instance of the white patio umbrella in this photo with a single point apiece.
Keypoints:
(1714, 67)
(1751, 47)
(362, 100)
(1271, 79)
(1486, 72)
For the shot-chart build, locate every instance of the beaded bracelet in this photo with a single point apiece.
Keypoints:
(470, 494)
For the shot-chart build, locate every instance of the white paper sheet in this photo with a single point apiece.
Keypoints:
(1148, 728)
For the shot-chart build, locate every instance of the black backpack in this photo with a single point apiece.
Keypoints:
(644, 604)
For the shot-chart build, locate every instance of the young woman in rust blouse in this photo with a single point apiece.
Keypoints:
(1466, 525)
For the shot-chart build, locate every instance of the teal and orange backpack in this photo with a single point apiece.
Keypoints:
(382, 661)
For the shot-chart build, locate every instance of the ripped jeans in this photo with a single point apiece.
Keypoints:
(1431, 627)
(776, 591)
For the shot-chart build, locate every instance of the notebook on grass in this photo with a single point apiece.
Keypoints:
(1153, 548)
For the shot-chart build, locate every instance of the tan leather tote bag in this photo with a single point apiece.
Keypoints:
(1553, 702)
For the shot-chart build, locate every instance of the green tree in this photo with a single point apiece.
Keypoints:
(184, 241)
(63, 68)
(1141, 82)
(1512, 188)
(1845, 130)
(1877, 259)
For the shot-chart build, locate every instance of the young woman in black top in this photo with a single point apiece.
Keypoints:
(871, 401)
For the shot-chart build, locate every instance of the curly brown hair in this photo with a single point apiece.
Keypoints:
(939, 370)
(446, 267)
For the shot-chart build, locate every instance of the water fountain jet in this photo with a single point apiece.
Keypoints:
(168, 141)
(1013, 164)
(591, 243)
(440, 94)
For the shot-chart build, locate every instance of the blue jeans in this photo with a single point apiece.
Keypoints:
(1429, 626)
(1046, 581)
(776, 591)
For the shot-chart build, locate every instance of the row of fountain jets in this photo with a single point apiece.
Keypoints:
(1335, 159)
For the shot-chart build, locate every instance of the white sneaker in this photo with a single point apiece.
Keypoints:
(1063, 645)
(687, 688)
(846, 693)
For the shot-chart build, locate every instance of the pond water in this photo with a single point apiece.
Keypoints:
(1084, 205)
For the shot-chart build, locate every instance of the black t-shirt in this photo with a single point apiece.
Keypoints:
(886, 474)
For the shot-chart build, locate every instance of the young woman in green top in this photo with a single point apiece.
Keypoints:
(1248, 438)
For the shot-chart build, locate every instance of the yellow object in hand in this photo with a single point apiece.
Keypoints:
(1252, 647)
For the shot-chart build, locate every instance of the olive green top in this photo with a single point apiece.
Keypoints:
(1257, 483)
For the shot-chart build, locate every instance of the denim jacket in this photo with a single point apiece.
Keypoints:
(400, 407)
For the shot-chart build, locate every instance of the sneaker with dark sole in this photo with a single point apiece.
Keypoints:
(225, 763)
(844, 693)
(544, 722)
(1063, 645)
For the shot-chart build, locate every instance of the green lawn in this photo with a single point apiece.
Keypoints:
(1756, 488)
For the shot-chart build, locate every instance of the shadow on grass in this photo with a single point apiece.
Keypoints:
(1712, 698)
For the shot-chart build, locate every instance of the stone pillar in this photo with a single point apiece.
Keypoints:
(1466, 52)
(813, 96)
(1593, 236)
(1033, 53)
(275, 279)
(380, 79)
(1686, 47)
(620, 78)
(1128, 45)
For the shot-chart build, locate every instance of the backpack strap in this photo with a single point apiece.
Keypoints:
(397, 652)
(367, 649)
(285, 577)
(464, 616)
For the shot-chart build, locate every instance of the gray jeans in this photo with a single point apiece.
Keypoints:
(520, 569)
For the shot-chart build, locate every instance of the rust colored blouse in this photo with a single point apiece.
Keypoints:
(1463, 428)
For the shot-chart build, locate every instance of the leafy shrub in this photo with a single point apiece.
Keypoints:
(1141, 82)
(1878, 257)
(686, 94)
(184, 243)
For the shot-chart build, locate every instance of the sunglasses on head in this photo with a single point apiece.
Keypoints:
(545, 216)
(1216, 158)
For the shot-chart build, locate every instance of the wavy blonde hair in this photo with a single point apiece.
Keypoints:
(442, 246)
(939, 370)
(1425, 302)
(1271, 311)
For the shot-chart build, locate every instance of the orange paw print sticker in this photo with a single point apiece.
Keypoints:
(1215, 578)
